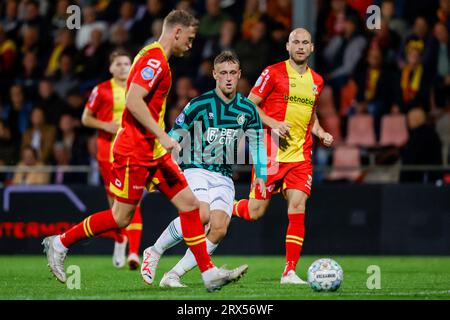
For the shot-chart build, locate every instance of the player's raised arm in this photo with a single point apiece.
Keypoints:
(136, 105)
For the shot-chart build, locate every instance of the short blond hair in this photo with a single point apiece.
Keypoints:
(180, 17)
(227, 56)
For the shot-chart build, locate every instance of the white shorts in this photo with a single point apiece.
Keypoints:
(212, 188)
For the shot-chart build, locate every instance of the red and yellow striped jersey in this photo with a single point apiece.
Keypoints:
(107, 101)
(292, 98)
(151, 71)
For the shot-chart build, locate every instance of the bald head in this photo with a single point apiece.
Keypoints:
(300, 46)
(299, 32)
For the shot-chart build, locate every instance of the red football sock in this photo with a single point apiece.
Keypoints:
(194, 236)
(93, 225)
(294, 240)
(134, 232)
(240, 209)
(117, 235)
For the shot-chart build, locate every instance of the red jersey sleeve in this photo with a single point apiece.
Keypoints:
(149, 70)
(318, 86)
(265, 83)
(94, 101)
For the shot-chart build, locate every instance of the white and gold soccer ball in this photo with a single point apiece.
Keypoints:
(325, 275)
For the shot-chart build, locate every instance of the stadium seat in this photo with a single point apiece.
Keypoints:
(360, 131)
(394, 130)
(345, 156)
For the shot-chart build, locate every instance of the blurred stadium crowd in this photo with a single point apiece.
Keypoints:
(386, 98)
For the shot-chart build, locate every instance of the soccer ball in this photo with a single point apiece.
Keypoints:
(325, 275)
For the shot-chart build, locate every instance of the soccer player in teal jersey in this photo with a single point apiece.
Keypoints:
(210, 129)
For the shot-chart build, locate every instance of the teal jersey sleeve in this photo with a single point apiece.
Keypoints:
(255, 133)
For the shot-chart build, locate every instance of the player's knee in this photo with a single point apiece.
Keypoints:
(256, 212)
(204, 217)
(297, 207)
(191, 203)
(123, 221)
(122, 218)
(217, 233)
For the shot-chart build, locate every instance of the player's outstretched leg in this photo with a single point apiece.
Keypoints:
(56, 247)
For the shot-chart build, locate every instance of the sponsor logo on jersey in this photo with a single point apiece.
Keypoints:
(222, 136)
(155, 77)
(180, 119)
(297, 99)
(264, 83)
(135, 187)
(259, 81)
(147, 73)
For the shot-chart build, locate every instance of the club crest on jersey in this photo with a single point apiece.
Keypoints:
(180, 119)
(211, 116)
(315, 89)
(147, 73)
(212, 134)
(240, 119)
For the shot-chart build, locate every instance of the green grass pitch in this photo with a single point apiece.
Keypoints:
(27, 277)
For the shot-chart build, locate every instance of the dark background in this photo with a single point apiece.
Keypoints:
(341, 219)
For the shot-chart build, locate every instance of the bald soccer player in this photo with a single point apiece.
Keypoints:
(286, 96)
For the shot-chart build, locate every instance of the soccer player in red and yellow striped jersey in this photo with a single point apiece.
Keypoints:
(104, 111)
(141, 158)
(286, 94)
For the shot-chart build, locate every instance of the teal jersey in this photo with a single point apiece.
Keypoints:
(209, 131)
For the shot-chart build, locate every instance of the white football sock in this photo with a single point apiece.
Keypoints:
(188, 262)
(171, 236)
